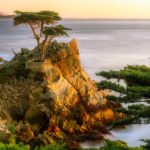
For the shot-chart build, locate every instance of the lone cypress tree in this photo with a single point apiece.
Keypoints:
(44, 27)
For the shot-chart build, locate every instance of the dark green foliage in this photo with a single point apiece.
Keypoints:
(147, 144)
(16, 67)
(110, 74)
(142, 91)
(142, 68)
(137, 107)
(132, 97)
(54, 146)
(137, 79)
(118, 145)
(56, 31)
(138, 91)
(133, 76)
(14, 147)
(122, 110)
(43, 26)
(139, 111)
(136, 112)
(109, 145)
(144, 113)
(56, 46)
(45, 16)
(122, 122)
(113, 86)
(138, 75)
(11, 128)
(113, 98)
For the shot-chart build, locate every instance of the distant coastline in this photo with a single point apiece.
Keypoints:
(6, 15)
(9, 16)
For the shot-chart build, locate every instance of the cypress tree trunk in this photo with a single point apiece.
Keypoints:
(43, 48)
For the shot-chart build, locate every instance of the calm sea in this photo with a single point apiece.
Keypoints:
(104, 45)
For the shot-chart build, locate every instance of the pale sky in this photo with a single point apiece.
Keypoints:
(83, 8)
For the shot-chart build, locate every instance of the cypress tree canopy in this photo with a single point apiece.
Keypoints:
(43, 26)
(47, 17)
(58, 30)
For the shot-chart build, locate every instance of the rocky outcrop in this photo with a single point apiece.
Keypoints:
(68, 62)
(67, 96)
(60, 99)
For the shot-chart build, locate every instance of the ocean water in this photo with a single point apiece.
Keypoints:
(103, 44)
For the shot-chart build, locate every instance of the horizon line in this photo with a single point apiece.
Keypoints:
(77, 18)
(107, 18)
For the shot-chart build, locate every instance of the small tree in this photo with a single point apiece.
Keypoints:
(43, 25)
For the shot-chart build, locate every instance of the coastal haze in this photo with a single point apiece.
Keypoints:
(103, 44)
(83, 8)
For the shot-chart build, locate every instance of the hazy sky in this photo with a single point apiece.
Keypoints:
(83, 8)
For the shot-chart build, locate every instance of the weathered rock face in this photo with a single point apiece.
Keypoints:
(60, 90)
(61, 99)
(67, 96)
(66, 79)
(54, 95)
(68, 62)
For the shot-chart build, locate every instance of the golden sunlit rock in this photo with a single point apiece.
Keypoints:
(60, 98)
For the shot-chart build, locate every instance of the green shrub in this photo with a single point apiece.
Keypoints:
(125, 121)
(56, 46)
(16, 68)
(132, 97)
(132, 75)
(147, 144)
(14, 147)
(54, 146)
(142, 68)
(118, 145)
(137, 79)
(142, 91)
(11, 128)
(111, 86)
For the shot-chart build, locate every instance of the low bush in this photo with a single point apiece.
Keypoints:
(122, 122)
(14, 147)
(118, 145)
(113, 86)
(147, 144)
(54, 146)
